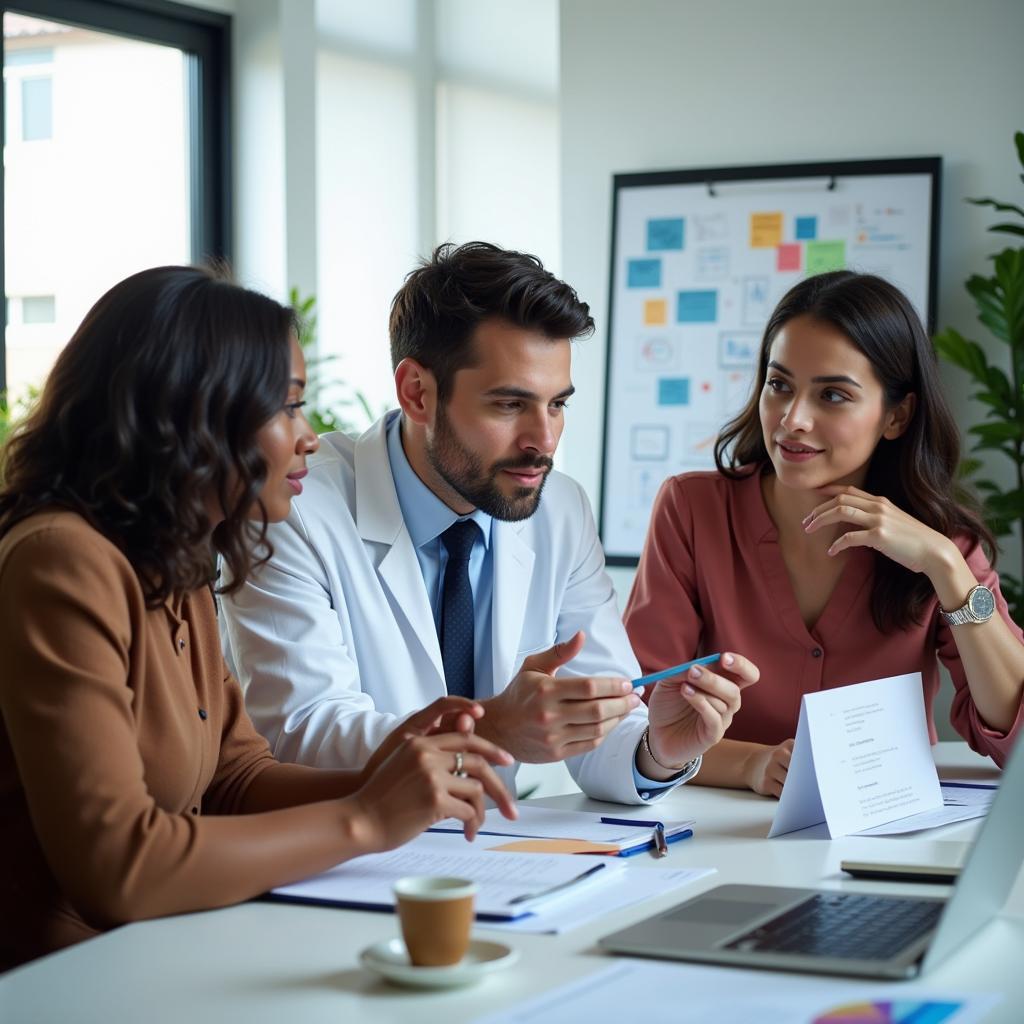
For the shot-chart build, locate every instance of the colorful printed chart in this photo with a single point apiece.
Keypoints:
(700, 260)
(903, 1012)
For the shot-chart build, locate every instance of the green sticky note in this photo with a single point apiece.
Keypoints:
(821, 257)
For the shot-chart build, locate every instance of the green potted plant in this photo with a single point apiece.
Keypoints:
(999, 298)
(348, 409)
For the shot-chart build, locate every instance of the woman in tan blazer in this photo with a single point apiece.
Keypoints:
(132, 783)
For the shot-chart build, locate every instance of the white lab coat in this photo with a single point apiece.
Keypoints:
(334, 641)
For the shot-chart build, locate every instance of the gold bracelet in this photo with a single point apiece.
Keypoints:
(688, 767)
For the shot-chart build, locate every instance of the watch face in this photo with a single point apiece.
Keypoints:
(983, 604)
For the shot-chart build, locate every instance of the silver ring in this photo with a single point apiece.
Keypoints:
(457, 771)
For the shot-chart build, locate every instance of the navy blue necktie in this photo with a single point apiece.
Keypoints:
(456, 629)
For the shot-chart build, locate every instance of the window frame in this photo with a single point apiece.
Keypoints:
(205, 36)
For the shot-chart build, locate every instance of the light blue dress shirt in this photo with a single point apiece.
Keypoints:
(426, 518)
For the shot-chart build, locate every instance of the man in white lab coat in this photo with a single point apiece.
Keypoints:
(369, 608)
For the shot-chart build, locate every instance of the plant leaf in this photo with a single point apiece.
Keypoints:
(1000, 207)
(1000, 431)
(962, 352)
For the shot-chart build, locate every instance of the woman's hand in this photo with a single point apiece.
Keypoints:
(446, 714)
(766, 769)
(877, 523)
(689, 716)
(427, 778)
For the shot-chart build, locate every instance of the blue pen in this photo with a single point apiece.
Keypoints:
(675, 670)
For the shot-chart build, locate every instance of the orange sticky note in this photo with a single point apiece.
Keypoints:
(555, 846)
(655, 312)
(765, 230)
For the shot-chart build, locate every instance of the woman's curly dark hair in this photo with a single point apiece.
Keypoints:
(149, 419)
(918, 470)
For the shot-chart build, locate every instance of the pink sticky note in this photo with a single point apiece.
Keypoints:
(788, 256)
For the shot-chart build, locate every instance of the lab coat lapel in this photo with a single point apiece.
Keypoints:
(380, 522)
(513, 570)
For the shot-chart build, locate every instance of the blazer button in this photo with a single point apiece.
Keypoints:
(181, 644)
(202, 714)
(816, 653)
(195, 810)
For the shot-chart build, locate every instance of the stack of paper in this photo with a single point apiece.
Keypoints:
(511, 885)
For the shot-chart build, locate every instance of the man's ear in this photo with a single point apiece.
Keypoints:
(900, 417)
(416, 388)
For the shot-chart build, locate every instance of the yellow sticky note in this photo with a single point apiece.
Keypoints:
(765, 230)
(655, 312)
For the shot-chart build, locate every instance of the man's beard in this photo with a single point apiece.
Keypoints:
(462, 470)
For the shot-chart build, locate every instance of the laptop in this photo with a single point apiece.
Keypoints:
(835, 932)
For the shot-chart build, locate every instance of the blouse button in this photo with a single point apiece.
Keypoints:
(816, 653)
(195, 810)
(202, 714)
(181, 643)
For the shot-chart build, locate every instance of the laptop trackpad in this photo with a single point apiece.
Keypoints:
(721, 912)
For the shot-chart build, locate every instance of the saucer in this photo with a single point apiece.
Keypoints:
(390, 960)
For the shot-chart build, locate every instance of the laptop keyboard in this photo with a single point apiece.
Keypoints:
(844, 925)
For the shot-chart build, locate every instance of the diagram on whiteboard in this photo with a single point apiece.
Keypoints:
(697, 272)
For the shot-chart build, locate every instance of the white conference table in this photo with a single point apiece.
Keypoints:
(278, 963)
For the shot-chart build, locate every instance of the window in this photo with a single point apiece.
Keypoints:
(38, 309)
(113, 160)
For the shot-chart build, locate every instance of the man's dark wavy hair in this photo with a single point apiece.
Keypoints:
(442, 302)
(917, 471)
(149, 415)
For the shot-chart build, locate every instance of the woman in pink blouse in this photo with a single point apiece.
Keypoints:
(831, 546)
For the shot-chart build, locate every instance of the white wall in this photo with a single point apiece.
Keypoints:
(662, 84)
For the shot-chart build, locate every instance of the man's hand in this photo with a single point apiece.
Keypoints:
(539, 718)
(687, 716)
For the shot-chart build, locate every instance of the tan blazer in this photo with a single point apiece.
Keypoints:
(122, 731)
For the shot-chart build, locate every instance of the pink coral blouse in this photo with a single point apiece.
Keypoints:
(712, 578)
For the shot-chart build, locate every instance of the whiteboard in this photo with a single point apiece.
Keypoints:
(699, 260)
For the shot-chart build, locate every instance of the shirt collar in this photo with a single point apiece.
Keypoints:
(426, 515)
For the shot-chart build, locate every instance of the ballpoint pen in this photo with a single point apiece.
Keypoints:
(675, 670)
(555, 888)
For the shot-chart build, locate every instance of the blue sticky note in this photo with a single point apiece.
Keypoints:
(697, 307)
(806, 228)
(665, 233)
(674, 391)
(644, 274)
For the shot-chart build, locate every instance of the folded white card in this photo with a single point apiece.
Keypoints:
(862, 757)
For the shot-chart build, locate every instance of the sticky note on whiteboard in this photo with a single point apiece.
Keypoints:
(697, 307)
(643, 274)
(825, 256)
(655, 312)
(788, 256)
(806, 229)
(665, 233)
(765, 230)
(674, 391)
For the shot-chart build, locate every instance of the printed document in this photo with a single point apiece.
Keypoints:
(862, 758)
